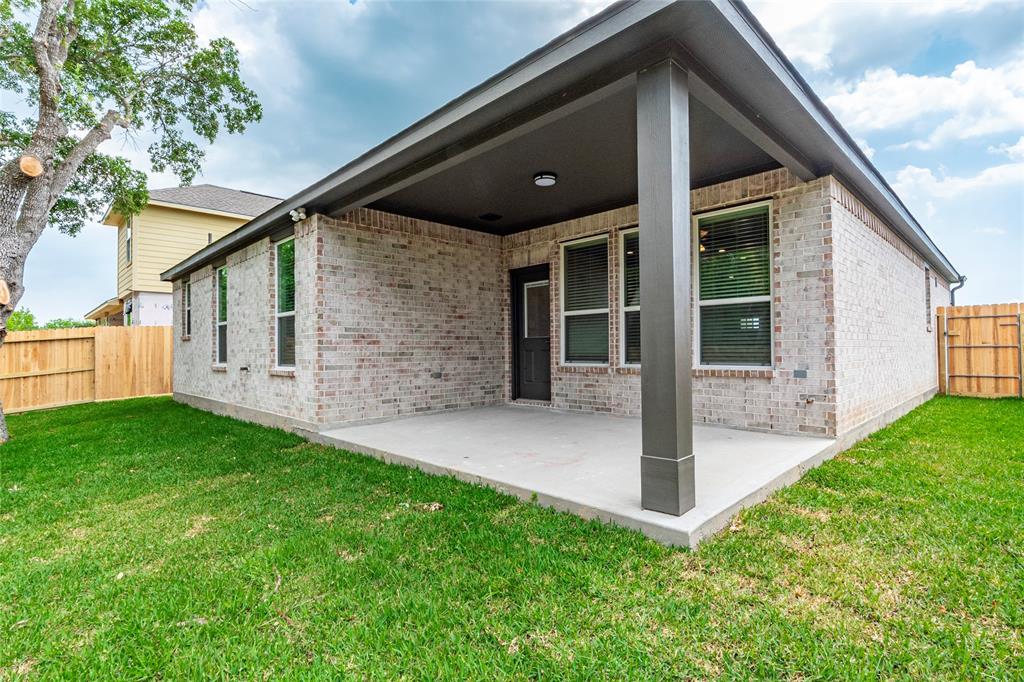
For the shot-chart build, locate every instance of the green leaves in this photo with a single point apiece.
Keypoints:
(141, 59)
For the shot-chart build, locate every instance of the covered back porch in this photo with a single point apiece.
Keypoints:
(632, 110)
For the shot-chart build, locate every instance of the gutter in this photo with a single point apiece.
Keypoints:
(959, 285)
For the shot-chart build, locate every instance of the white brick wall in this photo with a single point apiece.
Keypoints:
(411, 319)
(885, 340)
(251, 329)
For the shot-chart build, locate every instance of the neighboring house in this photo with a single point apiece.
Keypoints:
(177, 222)
(653, 215)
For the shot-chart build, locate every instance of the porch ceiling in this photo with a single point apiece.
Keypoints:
(592, 150)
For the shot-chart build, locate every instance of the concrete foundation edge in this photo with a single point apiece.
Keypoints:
(248, 414)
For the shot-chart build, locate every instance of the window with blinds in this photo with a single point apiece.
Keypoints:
(285, 312)
(631, 297)
(734, 287)
(585, 301)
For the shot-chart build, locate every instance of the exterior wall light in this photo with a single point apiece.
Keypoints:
(298, 214)
(545, 179)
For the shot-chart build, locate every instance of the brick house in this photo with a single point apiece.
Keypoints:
(651, 216)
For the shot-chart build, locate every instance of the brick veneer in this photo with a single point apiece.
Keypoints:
(885, 342)
(409, 319)
(400, 316)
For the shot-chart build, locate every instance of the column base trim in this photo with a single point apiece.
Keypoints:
(667, 485)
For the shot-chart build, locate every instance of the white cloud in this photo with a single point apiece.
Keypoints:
(810, 33)
(973, 101)
(913, 181)
(990, 231)
(1014, 151)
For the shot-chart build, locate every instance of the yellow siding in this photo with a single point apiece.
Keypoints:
(163, 237)
(124, 270)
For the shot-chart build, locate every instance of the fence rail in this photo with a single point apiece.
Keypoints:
(981, 350)
(54, 367)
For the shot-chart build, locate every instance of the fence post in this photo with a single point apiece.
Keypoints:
(1020, 353)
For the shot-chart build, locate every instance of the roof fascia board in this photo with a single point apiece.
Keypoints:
(747, 26)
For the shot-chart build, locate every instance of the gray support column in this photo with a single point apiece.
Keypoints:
(663, 158)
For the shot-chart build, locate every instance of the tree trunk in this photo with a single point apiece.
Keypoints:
(14, 244)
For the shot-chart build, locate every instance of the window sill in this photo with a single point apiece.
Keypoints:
(282, 372)
(583, 368)
(735, 372)
(186, 337)
(219, 368)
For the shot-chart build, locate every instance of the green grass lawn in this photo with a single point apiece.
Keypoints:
(145, 539)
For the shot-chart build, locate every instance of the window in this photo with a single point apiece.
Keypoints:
(631, 297)
(186, 297)
(285, 303)
(928, 298)
(734, 287)
(585, 301)
(222, 316)
(128, 239)
(536, 310)
(128, 313)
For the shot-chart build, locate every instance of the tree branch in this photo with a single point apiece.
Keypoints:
(98, 134)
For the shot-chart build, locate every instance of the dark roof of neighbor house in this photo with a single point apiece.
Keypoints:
(735, 68)
(216, 198)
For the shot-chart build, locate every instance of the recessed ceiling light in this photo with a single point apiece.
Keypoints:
(545, 179)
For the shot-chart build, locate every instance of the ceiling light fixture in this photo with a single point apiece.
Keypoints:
(545, 179)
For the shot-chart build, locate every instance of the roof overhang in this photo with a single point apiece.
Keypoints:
(107, 308)
(736, 71)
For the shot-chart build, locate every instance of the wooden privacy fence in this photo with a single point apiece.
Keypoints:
(981, 350)
(53, 367)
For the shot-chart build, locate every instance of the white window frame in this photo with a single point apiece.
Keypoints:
(216, 316)
(623, 308)
(591, 311)
(526, 308)
(277, 299)
(128, 240)
(186, 299)
(695, 257)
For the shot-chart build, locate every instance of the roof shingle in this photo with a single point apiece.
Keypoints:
(216, 198)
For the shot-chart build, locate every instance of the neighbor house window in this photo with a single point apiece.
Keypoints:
(631, 297)
(128, 240)
(222, 315)
(585, 301)
(128, 313)
(286, 303)
(186, 299)
(734, 287)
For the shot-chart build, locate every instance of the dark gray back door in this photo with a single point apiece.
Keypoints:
(531, 327)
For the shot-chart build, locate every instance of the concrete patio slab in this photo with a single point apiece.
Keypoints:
(588, 464)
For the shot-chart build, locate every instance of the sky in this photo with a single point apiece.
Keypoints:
(933, 92)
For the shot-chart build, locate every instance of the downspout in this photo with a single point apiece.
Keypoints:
(959, 285)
